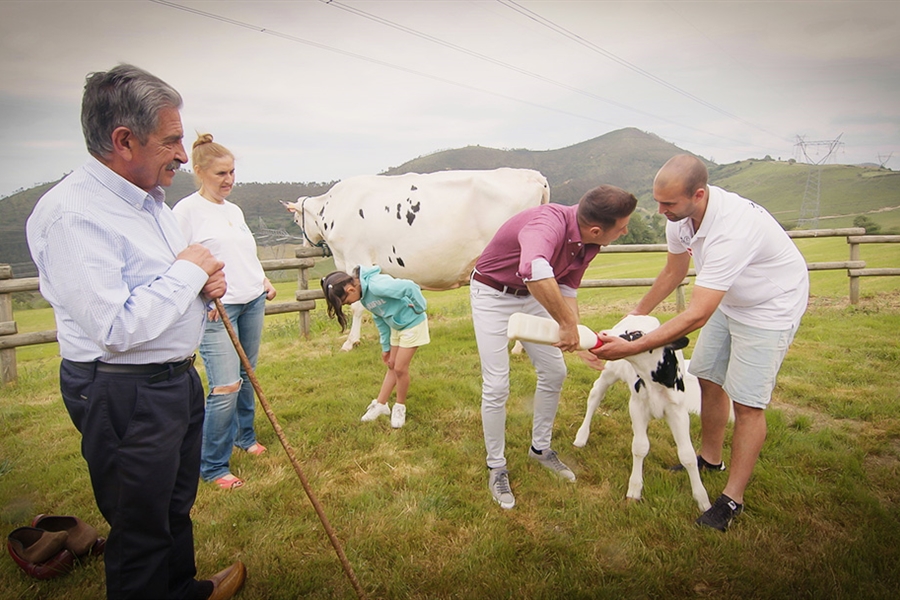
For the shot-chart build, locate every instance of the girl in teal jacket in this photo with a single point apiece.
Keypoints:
(398, 308)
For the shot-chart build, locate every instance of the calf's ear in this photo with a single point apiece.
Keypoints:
(679, 344)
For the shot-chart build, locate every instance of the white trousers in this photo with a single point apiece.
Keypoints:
(490, 315)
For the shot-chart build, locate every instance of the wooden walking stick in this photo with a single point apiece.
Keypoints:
(248, 368)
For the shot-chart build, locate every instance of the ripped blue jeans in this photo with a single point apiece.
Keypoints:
(229, 416)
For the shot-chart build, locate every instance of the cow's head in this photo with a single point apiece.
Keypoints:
(306, 220)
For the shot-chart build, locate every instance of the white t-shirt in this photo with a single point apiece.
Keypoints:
(222, 230)
(742, 250)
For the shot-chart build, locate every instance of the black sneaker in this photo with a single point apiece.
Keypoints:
(721, 513)
(702, 465)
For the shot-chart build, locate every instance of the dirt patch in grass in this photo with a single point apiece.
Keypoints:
(889, 300)
(817, 419)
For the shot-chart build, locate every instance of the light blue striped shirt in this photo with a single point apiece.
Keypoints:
(105, 250)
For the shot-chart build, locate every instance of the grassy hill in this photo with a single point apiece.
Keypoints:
(14, 211)
(845, 191)
(628, 158)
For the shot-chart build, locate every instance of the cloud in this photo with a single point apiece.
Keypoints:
(312, 91)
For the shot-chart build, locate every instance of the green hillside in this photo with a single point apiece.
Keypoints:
(14, 211)
(261, 203)
(257, 200)
(845, 192)
(628, 158)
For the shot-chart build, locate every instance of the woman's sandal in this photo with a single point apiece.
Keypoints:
(228, 482)
(256, 449)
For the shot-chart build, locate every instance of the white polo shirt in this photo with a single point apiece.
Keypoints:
(742, 250)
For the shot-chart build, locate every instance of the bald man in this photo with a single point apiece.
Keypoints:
(750, 292)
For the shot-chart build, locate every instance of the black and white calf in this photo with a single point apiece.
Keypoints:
(660, 387)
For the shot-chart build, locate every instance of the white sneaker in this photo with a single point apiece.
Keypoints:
(375, 410)
(498, 482)
(398, 415)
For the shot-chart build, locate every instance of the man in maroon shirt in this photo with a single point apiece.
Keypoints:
(534, 264)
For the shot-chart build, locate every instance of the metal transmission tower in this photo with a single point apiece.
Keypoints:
(809, 207)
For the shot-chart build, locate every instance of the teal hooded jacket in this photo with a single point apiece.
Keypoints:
(394, 303)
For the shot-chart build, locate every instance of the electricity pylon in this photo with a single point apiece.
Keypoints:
(809, 207)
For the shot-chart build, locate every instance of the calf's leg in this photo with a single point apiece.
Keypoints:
(680, 424)
(598, 391)
(640, 444)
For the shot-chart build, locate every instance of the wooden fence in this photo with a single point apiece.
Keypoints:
(306, 298)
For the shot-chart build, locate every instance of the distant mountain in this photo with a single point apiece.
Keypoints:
(14, 211)
(628, 158)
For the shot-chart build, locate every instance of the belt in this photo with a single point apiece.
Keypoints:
(499, 286)
(155, 373)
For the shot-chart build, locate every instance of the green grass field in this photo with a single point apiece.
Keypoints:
(411, 506)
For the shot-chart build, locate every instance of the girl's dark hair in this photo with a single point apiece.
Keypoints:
(334, 286)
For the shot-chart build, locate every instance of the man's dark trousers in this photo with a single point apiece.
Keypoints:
(142, 444)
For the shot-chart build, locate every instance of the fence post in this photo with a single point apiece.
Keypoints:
(8, 371)
(854, 281)
(303, 284)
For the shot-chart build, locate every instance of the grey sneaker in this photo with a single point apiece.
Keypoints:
(721, 513)
(398, 415)
(375, 410)
(549, 459)
(498, 482)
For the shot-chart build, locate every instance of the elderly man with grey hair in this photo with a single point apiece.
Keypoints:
(130, 299)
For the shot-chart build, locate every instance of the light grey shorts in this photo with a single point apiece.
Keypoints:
(743, 359)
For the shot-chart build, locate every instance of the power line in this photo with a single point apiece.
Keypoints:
(621, 61)
(296, 39)
(505, 65)
(299, 40)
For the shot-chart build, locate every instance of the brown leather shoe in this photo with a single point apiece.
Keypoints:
(83, 538)
(228, 582)
(35, 545)
(39, 553)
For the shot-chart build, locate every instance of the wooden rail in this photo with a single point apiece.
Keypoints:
(305, 298)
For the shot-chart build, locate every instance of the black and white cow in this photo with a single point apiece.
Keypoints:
(429, 228)
(660, 387)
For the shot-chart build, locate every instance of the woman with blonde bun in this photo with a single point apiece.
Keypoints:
(206, 217)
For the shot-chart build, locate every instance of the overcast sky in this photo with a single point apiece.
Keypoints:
(317, 91)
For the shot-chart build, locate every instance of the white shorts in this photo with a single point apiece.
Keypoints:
(744, 360)
(411, 337)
